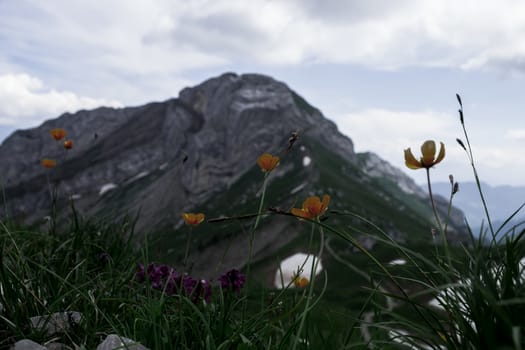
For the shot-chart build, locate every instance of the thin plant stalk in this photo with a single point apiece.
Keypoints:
(436, 215)
(256, 224)
(470, 156)
(442, 232)
(252, 238)
(187, 251)
(315, 263)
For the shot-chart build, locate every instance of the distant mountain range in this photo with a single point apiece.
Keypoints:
(502, 202)
(197, 153)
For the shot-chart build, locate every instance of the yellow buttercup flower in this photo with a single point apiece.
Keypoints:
(68, 144)
(48, 163)
(429, 159)
(192, 219)
(58, 133)
(312, 207)
(300, 282)
(267, 162)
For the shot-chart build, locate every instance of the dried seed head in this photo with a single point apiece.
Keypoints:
(455, 189)
(293, 138)
(461, 144)
(459, 100)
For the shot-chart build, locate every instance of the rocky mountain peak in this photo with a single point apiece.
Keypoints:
(203, 140)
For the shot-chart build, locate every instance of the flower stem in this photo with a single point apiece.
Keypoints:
(186, 253)
(252, 238)
(433, 203)
(315, 263)
(442, 231)
(478, 182)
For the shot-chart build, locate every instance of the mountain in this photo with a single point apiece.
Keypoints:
(197, 153)
(502, 202)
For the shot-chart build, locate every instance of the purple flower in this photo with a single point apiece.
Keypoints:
(165, 278)
(232, 280)
(201, 289)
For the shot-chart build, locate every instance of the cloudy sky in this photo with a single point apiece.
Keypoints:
(385, 71)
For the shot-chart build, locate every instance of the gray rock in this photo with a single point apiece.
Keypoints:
(57, 322)
(58, 346)
(113, 342)
(26, 344)
(376, 167)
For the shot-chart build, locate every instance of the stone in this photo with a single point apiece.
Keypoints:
(114, 342)
(58, 346)
(27, 344)
(57, 322)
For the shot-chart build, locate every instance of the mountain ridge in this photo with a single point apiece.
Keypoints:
(198, 152)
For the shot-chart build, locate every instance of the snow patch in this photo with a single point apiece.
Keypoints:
(105, 188)
(139, 176)
(306, 161)
(290, 267)
(76, 196)
(163, 166)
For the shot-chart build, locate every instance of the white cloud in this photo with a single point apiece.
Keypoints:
(388, 133)
(173, 36)
(469, 34)
(25, 100)
(383, 129)
(515, 134)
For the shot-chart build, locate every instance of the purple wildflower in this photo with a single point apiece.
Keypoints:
(165, 278)
(201, 289)
(232, 280)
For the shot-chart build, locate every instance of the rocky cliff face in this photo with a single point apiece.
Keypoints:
(202, 141)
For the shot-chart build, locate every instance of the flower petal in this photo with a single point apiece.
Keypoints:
(192, 219)
(68, 144)
(300, 282)
(300, 213)
(441, 154)
(428, 150)
(48, 163)
(267, 162)
(324, 204)
(58, 133)
(312, 205)
(411, 161)
(199, 217)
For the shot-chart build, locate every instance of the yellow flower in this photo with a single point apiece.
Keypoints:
(428, 160)
(312, 207)
(68, 144)
(300, 282)
(267, 162)
(192, 219)
(48, 163)
(58, 133)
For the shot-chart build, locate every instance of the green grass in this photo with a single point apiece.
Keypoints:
(45, 272)
(359, 301)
